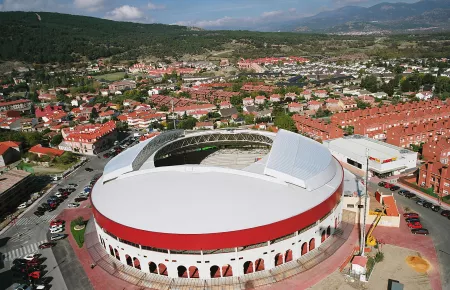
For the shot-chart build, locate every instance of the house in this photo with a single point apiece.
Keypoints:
(347, 103)
(204, 126)
(275, 98)
(9, 152)
(154, 91)
(47, 98)
(359, 264)
(321, 94)
(107, 115)
(248, 102)
(41, 151)
(367, 99)
(21, 105)
(306, 94)
(194, 108)
(295, 107)
(317, 129)
(332, 104)
(379, 95)
(104, 92)
(314, 105)
(426, 95)
(437, 150)
(49, 109)
(251, 109)
(227, 113)
(291, 96)
(225, 105)
(260, 100)
(121, 85)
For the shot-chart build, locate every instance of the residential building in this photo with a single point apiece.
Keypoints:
(347, 103)
(260, 100)
(21, 105)
(314, 105)
(321, 94)
(426, 95)
(437, 150)
(435, 175)
(204, 126)
(107, 115)
(418, 133)
(248, 102)
(225, 105)
(121, 85)
(9, 152)
(379, 95)
(227, 113)
(306, 94)
(189, 110)
(15, 185)
(89, 139)
(295, 107)
(333, 104)
(40, 151)
(317, 129)
(49, 109)
(276, 98)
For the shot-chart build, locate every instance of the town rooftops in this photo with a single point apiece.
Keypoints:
(39, 149)
(11, 178)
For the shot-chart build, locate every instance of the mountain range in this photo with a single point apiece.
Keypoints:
(387, 17)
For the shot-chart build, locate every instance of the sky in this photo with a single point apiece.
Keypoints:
(207, 14)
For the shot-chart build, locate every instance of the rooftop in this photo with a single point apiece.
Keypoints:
(10, 178)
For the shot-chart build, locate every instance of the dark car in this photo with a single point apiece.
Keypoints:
(445, 213)
(106, 155)
(420, 231)
(39, 213)
(45, 205)
(403, 192)
(412, 220)
(73, 184)
(89, 169)
(435, 208)
(394, 188)
(70, 190)
(61, 189)
(427, 204)
(410, 195)
(411, 215)
(79, 199)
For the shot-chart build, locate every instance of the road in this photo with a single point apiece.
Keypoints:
(438, 226)
(30, 231)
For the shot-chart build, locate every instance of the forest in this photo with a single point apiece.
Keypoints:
(63, 38)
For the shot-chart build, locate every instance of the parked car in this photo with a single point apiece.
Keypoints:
(403, 192)
(61, 189)
(58, 194)
(73, 205)
(39, 213)
(412, 220)
(435, 208)
(89, 169)
(427, 204)
(388, 185)
(411, 215)
(46, 245)
(30, 257)
(421, 231)
(57, 237)
(410, 195)
(415, 225)
(445, 213)
(73, 184)
(56, 230)
(57, 222)
(106, 155)
(55, 227)
(80, 199)
(394, 188)
(23, 287)
(71, 189)
(22, 205)
(420, 202)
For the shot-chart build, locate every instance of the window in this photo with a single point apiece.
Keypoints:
(446, 184)
(445, 192)
(350, 206)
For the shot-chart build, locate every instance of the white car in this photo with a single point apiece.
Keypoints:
(30, 257)
(55, 227)
(55, 231)
(73, 204)
(22, 205)
(58, 194)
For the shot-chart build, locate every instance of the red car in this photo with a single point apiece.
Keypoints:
(46, 245)
(388, 185)
(411, 215)
(415, 225)
(35, 275)
(57, 222)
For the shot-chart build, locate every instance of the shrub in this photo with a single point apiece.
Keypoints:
(379, 257)
(78, 235)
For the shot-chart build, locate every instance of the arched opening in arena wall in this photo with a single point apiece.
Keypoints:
(137, 263)
(328, 231)
(193, 272)
(335, 223)
(227, 271)
(323, 237)
(214, 272)
(116, 253)
(278, 259)
(182, 272)
(129, 261)
(152, 268)
(288, 256)
(248, 267)
(312, 244)
(304, 248)
(111, 250)
(259, 265)
(162, 269)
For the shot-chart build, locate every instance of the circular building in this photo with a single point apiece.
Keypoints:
(205, 221)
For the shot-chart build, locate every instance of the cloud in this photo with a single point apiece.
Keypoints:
(125, 13)
(25, 5)
(89, 5)
(347, 2)
(152, 6)
(271, 14)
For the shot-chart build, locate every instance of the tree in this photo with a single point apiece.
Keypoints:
(284, 121)
(66, 158)
(164, 108)
(362, 105)
(122, 126)
(188, 123)
(249, 119)
(388, 88)
(56, 140)
(370, 83)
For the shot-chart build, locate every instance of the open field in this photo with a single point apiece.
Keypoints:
(111, 77)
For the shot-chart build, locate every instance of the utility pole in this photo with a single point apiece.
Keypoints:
(363, 235)
(173, 116)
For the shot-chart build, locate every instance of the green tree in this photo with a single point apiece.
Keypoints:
(188, 123)
(164, 108)
(284, 121)
(56, 140)
(249, 119)
(370, 83)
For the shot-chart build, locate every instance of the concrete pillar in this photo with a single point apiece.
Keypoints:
(429, 167)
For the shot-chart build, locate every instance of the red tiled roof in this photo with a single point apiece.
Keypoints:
(391, 206)
(14, 102)
(11, 143)
(38, 149)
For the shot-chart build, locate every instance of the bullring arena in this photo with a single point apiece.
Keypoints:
(176, 209)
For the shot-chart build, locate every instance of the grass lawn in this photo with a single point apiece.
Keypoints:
(111, 77)
(78, 235)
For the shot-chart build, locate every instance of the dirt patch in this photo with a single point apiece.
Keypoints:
(419, 264)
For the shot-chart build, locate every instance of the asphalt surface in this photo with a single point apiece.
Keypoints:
(437, 225)
(30, 231)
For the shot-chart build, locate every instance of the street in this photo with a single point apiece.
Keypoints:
(438, 226)
(29, 231)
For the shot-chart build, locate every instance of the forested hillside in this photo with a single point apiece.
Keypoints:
(66, 38)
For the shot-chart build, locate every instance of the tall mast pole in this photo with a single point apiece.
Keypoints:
(363, 235)
(173, 116)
